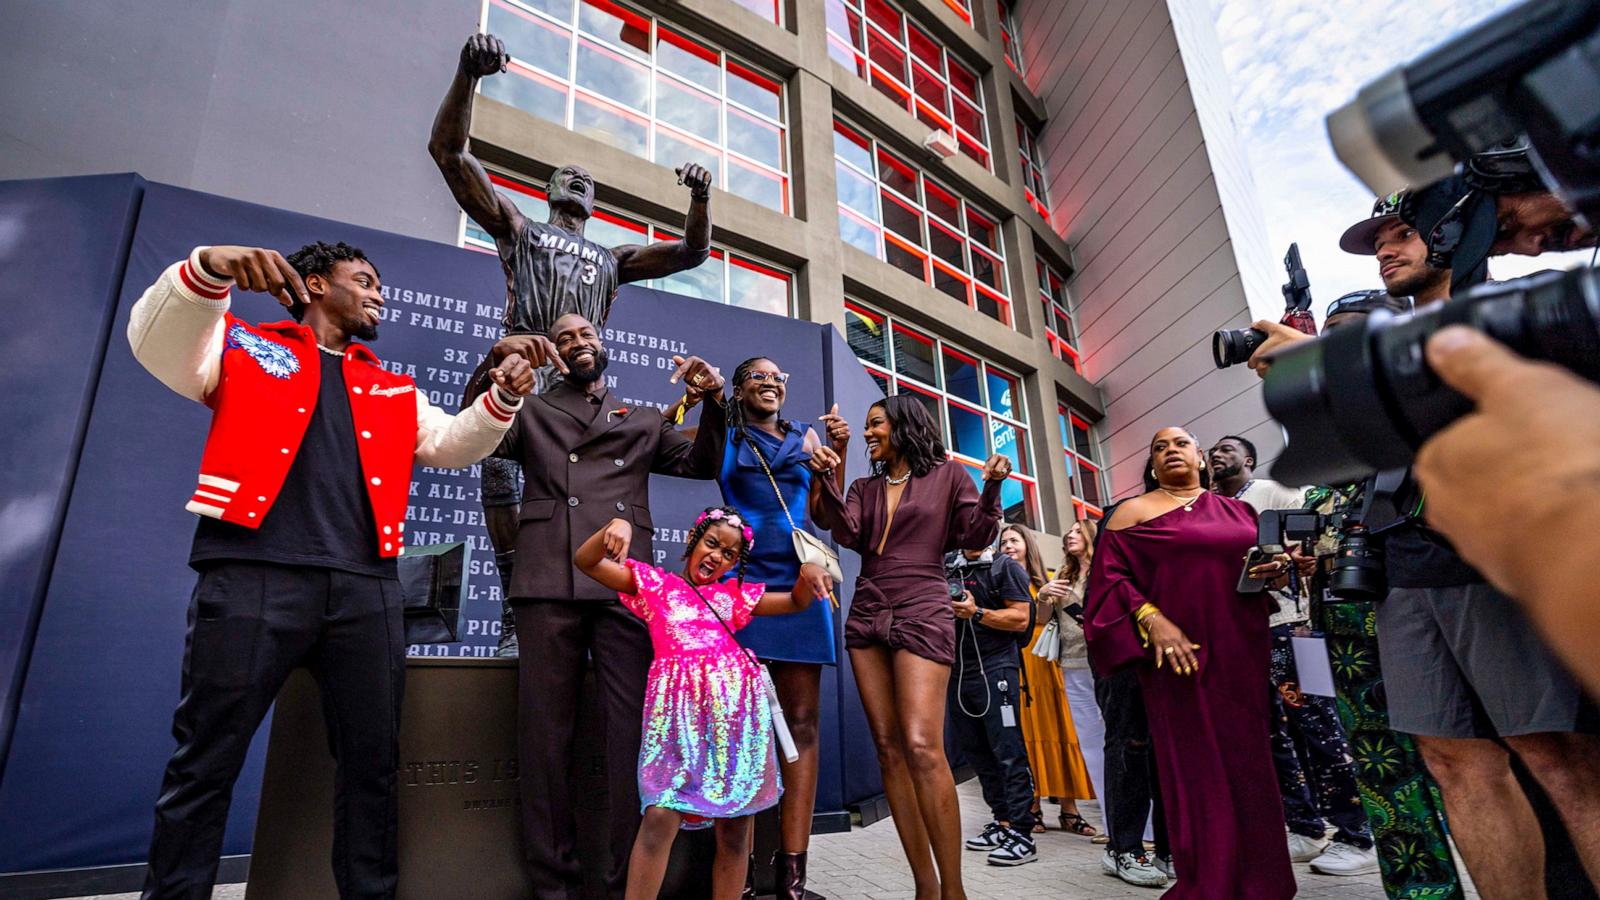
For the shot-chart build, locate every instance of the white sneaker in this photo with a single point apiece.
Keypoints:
(1343, 859)
(987, 839)
(1015, 849)
(1136, 869)
(1164, 863)
(1304, 849)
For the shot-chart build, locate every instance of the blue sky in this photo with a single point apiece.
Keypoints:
(1291, 62)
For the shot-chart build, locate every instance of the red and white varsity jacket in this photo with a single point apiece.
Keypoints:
(261, 382)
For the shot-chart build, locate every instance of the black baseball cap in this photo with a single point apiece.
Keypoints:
(1360, 237)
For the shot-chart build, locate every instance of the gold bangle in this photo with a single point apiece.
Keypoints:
(1143, 613)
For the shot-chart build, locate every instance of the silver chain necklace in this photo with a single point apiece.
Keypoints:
(1188, 502)
(898, 481)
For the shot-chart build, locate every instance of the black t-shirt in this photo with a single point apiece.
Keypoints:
(323, 516)
(1416, 556)
(992, 586)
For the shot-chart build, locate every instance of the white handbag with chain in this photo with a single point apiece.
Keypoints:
(807, 547)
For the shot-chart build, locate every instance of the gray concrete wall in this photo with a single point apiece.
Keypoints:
(1136, 197)
(321, 108)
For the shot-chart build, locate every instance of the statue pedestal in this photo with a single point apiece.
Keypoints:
(459, 831)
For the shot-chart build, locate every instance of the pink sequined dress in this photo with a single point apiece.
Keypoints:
(708, 750)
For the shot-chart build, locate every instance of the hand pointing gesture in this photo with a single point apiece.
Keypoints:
(697, 375)
(838, 430)
(256, 269)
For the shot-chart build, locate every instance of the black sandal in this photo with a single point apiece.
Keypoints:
(1077, 825)
(1038, 820)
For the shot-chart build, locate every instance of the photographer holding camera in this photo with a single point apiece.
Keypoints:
(1455, 650)
(994, 611)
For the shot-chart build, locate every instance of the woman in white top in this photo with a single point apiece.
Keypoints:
(1065, 595)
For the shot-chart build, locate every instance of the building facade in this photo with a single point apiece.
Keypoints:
(1013, 211)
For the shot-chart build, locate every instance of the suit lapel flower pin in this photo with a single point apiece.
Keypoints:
(617, 413)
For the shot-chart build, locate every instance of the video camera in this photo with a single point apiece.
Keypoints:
(1357, 571)
(1506, 100)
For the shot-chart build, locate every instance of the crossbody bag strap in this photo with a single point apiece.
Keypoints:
(774, 482)
(723, 622)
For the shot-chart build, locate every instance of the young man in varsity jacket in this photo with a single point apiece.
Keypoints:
(302, 502)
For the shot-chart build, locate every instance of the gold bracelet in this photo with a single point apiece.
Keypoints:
(1143, 613)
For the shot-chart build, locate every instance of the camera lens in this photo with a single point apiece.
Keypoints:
(1358, 568)
(1229, 348)
(1360, 400)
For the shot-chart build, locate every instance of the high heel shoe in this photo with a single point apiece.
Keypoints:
(790, 870)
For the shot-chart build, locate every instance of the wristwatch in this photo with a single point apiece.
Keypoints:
(977, 615)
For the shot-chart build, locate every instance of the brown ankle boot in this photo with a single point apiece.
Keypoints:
(790, 871)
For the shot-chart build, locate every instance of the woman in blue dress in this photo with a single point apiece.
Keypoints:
(767, 455)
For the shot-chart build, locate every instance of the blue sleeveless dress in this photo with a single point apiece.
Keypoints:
(806, 636)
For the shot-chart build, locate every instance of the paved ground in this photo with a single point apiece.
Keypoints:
(866, 864)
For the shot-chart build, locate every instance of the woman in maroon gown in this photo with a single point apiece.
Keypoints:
(900, 630)
(1167, 565)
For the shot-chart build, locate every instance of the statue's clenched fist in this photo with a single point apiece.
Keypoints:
(483, 55)
(697, 178)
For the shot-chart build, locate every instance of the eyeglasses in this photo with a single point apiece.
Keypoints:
(776, 377)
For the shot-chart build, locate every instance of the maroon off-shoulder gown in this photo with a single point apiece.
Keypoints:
(1224, 815)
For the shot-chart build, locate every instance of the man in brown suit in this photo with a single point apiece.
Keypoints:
(586, 459)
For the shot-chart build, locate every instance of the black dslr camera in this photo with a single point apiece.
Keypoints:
(1351, 538)
(1231, 347)
(1518, 77)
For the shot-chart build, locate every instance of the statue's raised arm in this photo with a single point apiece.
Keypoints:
(483, 55)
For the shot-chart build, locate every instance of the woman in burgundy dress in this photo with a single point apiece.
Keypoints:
(1166, 566)
(900, 630)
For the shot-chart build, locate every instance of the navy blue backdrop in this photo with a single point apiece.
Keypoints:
(93, 574)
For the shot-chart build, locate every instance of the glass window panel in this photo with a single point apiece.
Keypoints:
(761, 94)
(622, 27)
(610, 124)
(951, 282)
(842, 20)
(946, 245)
(611, 230)
(927, 116)
(903, 218)
(613, 76)
(964, 82)
(929, 402)
(887, 56)
(929, 87)
(530, 39)
(865, 333)
(858, 233)
(1089, 484)
(913, 356)
(985, 268)
(1003, 394)
(982, 229)
(968, 117)
(688, 109)
(896, 253)
(1064, 324)
(898, 175)
(673, 150)
(756, 287)
(961, 376)
(529, 200)
(1017, 502)
(943, 204)
(755, 138)
(881, 379)
(927, 50)
(684, 56)
(855, 191)
(1081, 441)
(703, 281)
(987, 304)
(1012, 441)
(529, 92)
(973, 152)
(886, 17)
(853, 148)
(967, 435)
(758, 185)
(844, 56)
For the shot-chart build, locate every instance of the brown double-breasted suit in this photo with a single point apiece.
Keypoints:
(585, 461)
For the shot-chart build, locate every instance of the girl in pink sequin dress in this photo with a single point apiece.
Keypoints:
(708, 755)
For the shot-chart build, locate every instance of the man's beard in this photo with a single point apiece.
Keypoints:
(361, 328)
(588, 374)
(1229, 472)
(1411, 285)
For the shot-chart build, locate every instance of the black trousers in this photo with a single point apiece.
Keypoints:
(1316, 771)
(994, 748)
(1132, 789)
(556, 638)
(250, 625)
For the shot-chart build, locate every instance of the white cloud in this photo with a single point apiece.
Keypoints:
(1291, 62)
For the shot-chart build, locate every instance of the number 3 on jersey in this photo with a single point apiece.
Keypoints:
(588, 273)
